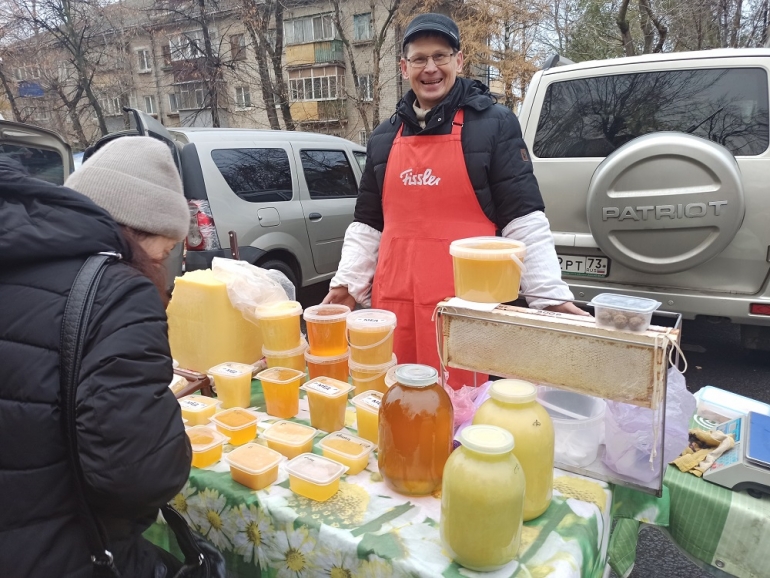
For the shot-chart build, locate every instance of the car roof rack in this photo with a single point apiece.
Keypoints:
(557, 60)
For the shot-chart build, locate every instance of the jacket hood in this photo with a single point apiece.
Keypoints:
(464, 93)
(44, 222)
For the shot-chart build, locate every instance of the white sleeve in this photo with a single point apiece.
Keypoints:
(358, 262)
(542, 278)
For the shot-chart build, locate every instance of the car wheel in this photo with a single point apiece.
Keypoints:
(284, 268)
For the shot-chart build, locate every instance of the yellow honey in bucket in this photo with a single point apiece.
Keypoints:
(292, 358)
(279, 323)
(487, 269)
(370, 332)
(326, 329)
(370, 377)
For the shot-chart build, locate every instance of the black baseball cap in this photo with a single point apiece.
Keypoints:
(433, 23)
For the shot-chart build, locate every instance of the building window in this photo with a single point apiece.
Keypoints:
(173, 103)
(191, 96)
(362, 26)
(149, 105)
(238, 47)
(111, 106)
(309, 29)
(26, 73)
(242, 97)
(363, 138)
(191, 45)
(365, 86)
(40, 114)
(145, 60)
(326, 83)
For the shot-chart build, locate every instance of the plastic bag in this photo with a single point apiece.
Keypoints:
(469, 403)
(629, 432)
(248, 285)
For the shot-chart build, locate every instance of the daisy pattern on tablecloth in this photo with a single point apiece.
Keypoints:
(248, 529)
(207, 510)
(291, 552)
(180, 502)
(376, 567)
(335, 562)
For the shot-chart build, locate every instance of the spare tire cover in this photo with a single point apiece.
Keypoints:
(665, 202)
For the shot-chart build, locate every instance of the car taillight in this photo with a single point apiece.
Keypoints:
(759, 309)
(203, 234)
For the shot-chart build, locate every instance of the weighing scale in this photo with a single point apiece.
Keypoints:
(747, 465)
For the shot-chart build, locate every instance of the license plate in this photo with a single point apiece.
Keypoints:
(582, 266)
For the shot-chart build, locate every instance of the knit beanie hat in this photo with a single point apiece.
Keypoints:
(136, 181)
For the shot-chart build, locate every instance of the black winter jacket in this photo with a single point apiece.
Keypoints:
(496, 157)
(133, 448)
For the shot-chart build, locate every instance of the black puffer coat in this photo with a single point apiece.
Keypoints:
(133, 448)
(495, 154)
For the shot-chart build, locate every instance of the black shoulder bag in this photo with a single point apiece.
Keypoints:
(202, 559)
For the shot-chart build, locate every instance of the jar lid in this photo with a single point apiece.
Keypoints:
(513, 391)
(487, 439)
(278, 310)
(415, 375)
(371, 319)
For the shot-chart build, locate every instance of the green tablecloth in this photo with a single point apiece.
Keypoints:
(368, 530)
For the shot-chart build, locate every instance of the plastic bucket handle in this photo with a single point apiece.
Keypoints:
(371, 345)
(519, 262)
(368, 379)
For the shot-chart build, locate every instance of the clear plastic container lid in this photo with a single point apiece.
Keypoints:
(287, 353)
(234, 419)
(178, 383)
(368, 401)
(280, 375)
(174, 363)
(197, 403)
(289, 433)
(253, 458)
(513, 391)
(625, 303)
(231, 369)
(315, 469)
(487, 248)
(415, 375)
(326, 359)
(383, 367)
(487, 439)
(371, 318)
(278, 310)
(328, 387)
(346, 445)
(203, 438)
(390, 376)
(326, 313)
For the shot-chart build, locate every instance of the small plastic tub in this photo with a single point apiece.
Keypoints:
(487, 269)
(370, 377)
(578, 424)
(291, 358)
(198, 409)
(327, 399)
(326, 326)
(238, 424)
(314, 477)
(281, 388)
(279, 323)
(350, 451)
(254, 466)
(206, 445)
(290, 439)
(233, 383)
(335, 366)
(615, 311)
(367, 406)
(178, 383)
(370, 333)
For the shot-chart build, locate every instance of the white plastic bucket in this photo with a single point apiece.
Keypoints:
(578, 423)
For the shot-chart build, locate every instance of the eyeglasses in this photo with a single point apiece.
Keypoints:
(439, 59)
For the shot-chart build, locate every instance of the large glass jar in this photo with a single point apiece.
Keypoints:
(415, 431)
(513, 406)
(482, 499)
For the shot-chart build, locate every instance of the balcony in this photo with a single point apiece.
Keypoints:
(324, 52)
(318, 110)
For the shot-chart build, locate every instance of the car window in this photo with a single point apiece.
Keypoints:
(40, 163)
(256, 175)
(360, 159)
(594, 116)
(328, 174)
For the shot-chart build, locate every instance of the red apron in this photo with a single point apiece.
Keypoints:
(427, 202)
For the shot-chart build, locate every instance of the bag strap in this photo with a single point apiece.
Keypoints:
(193, 555)
(74, 325)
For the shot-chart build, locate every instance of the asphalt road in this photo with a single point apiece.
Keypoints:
(715, 357)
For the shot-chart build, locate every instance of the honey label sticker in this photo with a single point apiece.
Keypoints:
(227, 370)
(372, 400)
(192, 404)
(322, 388)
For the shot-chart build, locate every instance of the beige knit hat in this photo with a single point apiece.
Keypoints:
(135, 180)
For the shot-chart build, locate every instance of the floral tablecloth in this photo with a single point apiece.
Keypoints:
(367, 530)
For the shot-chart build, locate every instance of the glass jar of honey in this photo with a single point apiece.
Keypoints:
(415, 431)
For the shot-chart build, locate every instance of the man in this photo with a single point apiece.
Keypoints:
(449, 164)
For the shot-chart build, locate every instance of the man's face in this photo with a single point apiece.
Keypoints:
(431, 83)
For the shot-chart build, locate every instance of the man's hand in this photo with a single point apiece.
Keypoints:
(340, 295)
(568, 307)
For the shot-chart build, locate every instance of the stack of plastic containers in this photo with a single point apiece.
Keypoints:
(327, 355)
(283, 344)
(370, 332)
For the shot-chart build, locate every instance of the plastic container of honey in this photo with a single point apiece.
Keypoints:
(291, 358)
(487, 269)
(314, 477)
(335, 366)
(289, 438)
(367, 406)
(327, 400)
(367, 377)
(178, 383)
(370, 334)
(279, 323)
(350, 451)
(254, 466)
(206, 445)
(281, 388)
(233, 383)
(238, 424)
(198, 409)
(326, 327)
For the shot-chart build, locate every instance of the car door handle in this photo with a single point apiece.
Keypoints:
(315, 216)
